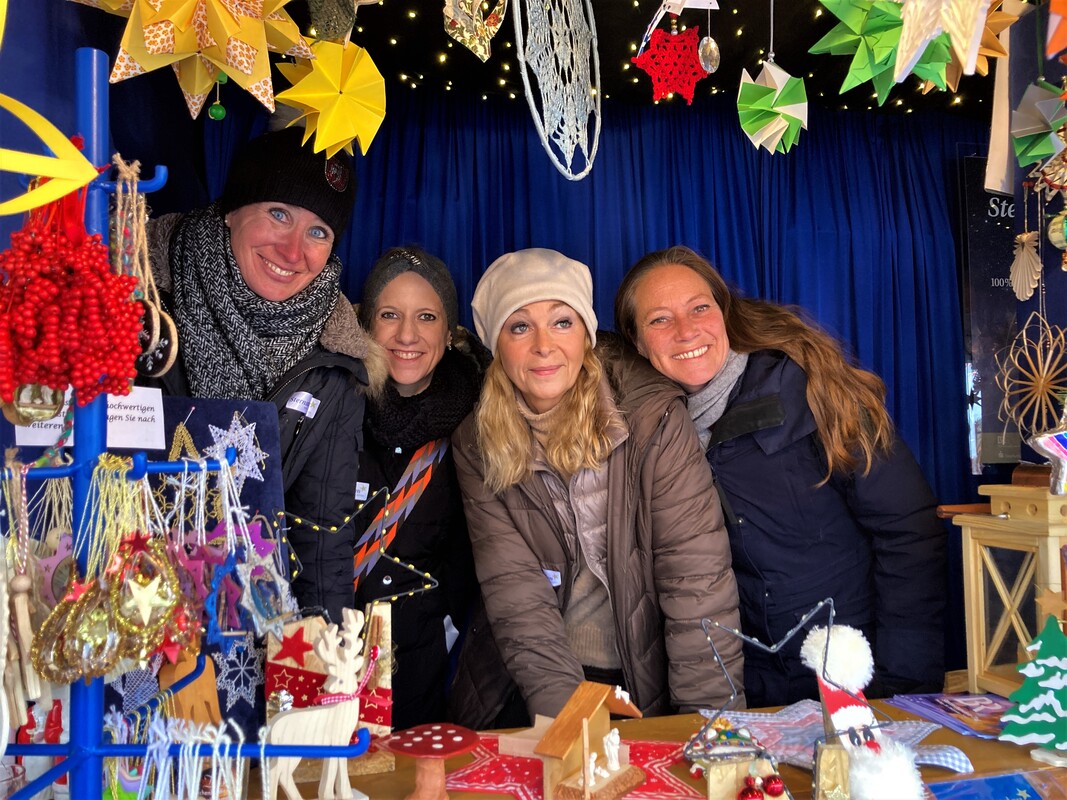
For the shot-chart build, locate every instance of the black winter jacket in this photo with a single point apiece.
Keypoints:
(319, 448)
(433, 538)
(871, 543)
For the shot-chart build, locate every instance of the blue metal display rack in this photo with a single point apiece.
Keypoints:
(85, 751)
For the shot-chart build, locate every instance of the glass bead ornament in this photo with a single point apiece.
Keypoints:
(217, 111)
(709, 55)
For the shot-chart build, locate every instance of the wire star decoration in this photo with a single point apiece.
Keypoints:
(241, 437)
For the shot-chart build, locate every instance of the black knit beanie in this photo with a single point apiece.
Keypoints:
(399, 260)
(275, 167)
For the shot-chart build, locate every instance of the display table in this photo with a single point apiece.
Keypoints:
(990, 757)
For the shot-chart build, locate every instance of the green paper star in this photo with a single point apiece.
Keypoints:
(869, 31)
(773, 108)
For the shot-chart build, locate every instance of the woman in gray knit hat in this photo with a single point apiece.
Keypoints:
(597, 537)
(435, 373)
(253, 284)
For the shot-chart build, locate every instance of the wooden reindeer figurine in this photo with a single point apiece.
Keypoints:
(331, 722)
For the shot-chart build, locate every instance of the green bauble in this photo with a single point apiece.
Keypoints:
(216, 111)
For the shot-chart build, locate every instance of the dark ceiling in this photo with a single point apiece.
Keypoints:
(407, 40)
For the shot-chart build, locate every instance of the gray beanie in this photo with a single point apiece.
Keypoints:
(399, 260)
(531, 276)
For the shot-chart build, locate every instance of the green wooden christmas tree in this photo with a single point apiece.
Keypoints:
(1040, 713)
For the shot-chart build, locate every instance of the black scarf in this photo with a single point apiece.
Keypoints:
(233, 342)
(433, 413)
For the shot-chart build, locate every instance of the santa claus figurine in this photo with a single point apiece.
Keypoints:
(878, 767)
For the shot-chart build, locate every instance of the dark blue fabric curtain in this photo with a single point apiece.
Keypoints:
(855, 224)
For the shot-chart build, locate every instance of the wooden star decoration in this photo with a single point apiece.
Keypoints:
(672, 62)
(55, 570)
(294, 646)
(1051, 602)
(341, 95)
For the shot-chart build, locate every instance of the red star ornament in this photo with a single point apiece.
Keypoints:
(671, 61)
(294, 647)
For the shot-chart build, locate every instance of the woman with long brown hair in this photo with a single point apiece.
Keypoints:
(597, 537)
(821, 497)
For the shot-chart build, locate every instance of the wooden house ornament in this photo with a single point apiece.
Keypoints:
(572, 748)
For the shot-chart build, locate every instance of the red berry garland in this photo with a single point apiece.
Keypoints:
(65, 318)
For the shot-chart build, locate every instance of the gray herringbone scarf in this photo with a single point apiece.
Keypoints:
(233, 342)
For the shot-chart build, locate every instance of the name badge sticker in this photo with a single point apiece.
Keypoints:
(362, 490)
(304, 402)
(553, 577)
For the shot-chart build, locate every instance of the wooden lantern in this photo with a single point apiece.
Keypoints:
(1011, 566)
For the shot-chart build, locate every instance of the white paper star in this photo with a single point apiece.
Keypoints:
(925, 20)
(243, 439)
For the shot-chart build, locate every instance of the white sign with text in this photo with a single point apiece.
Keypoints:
(134, 422)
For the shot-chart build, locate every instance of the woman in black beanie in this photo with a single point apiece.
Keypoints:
(435, 374)
(253, 285)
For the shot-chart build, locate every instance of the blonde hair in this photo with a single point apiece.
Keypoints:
(848, 402)
(577, 440)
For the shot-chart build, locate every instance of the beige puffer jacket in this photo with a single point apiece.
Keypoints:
(668, 559)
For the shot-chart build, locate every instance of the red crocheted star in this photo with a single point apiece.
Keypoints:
(671, 61)
(294, 647)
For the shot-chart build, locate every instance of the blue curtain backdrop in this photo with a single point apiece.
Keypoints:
(855, 225)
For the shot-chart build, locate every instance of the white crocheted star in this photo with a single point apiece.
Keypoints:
(239, 672)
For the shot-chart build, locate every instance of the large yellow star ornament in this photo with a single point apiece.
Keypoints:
(341, 95)
(198, 38)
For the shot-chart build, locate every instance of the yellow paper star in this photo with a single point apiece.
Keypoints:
(341, 94)
(68, 170)
(145, 597)
(201, 37)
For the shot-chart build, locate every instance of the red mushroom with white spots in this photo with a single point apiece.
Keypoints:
(430, 745)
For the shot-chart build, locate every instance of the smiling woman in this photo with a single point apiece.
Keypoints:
(597, 538)
(409, 306)
(253, 285)
(280, 248)
(822, 498)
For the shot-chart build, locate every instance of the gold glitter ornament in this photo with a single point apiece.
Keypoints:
(143, 593)
(91, 642)
(46, 651)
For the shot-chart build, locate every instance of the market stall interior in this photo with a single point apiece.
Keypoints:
(847, 175)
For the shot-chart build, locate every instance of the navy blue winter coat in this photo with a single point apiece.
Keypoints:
(873, 544)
